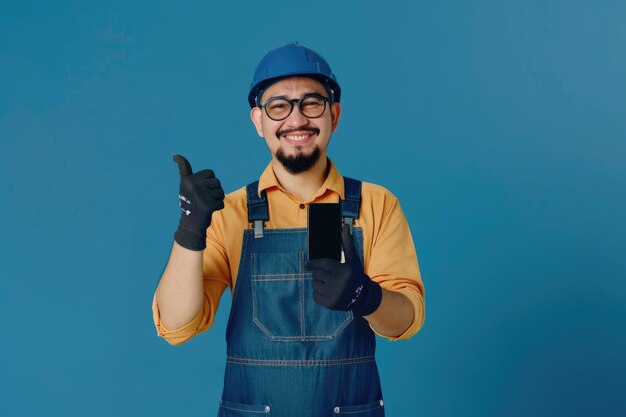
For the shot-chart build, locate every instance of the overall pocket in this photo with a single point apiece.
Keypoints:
(230, 409)
(282, 300)
(374, 409)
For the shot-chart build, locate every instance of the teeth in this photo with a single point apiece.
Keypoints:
(296, 138)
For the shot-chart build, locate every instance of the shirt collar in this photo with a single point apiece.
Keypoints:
(333, 182)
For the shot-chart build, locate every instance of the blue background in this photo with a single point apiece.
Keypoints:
(500, 125)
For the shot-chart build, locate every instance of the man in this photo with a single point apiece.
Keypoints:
(300, 334)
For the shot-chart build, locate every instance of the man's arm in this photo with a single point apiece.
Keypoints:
(394, 316)
(178, 312)
(392, 300)
(344, 286)
(180, 293)
(393, 264)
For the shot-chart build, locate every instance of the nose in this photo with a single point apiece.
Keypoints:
(296, 118)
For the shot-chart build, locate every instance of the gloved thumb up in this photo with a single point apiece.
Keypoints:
(200, 194)
(184, 167)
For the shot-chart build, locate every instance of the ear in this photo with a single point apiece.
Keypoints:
(256, 115)
(335, 113)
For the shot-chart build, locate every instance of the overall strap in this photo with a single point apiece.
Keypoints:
(257, 208)
(350, 206)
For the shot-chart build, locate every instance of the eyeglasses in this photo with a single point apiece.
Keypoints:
(310, 105)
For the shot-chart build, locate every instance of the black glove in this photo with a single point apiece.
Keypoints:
(344, 286)
(200, 195)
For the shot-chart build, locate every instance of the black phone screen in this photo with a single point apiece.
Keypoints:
(325, 231)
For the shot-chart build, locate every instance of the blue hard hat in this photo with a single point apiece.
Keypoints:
(292, 60)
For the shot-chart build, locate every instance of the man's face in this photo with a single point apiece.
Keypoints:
(297, 142)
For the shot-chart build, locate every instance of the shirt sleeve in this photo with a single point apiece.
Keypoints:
(216, 273)
(393, 263)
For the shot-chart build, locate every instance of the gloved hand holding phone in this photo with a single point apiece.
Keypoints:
(200, 195)
(344, 286)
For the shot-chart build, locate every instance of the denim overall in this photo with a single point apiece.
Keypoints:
(287, 356)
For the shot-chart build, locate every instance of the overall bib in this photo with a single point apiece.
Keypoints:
(287, 356)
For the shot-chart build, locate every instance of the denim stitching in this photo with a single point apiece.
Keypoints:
(244, 410)
(286, 277)
(300, 276)
(302, 318)
(264, 329)
(297, 338)
(286, 230)
(255, 313)
(252, 267)
(299, 362)
(358, 409)
(242, 260)
(304, 338)
(344, 324)
(297, 274)
(254, 304)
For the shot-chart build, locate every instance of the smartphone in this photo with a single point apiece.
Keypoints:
(325, 231)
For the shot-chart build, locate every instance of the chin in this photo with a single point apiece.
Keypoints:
(300, 162)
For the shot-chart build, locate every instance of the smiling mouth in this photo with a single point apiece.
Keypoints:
(301, 138)
(298, 136)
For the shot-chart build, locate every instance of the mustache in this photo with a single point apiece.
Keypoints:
(298, 129)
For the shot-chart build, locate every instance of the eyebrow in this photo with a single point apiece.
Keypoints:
(287, 98)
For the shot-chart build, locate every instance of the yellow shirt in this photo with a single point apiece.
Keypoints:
(388, 252)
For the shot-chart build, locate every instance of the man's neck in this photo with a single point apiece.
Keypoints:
(304, 185)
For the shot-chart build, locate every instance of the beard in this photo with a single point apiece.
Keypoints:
(300, 162)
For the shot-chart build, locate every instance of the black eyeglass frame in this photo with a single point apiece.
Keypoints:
(292, 102)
